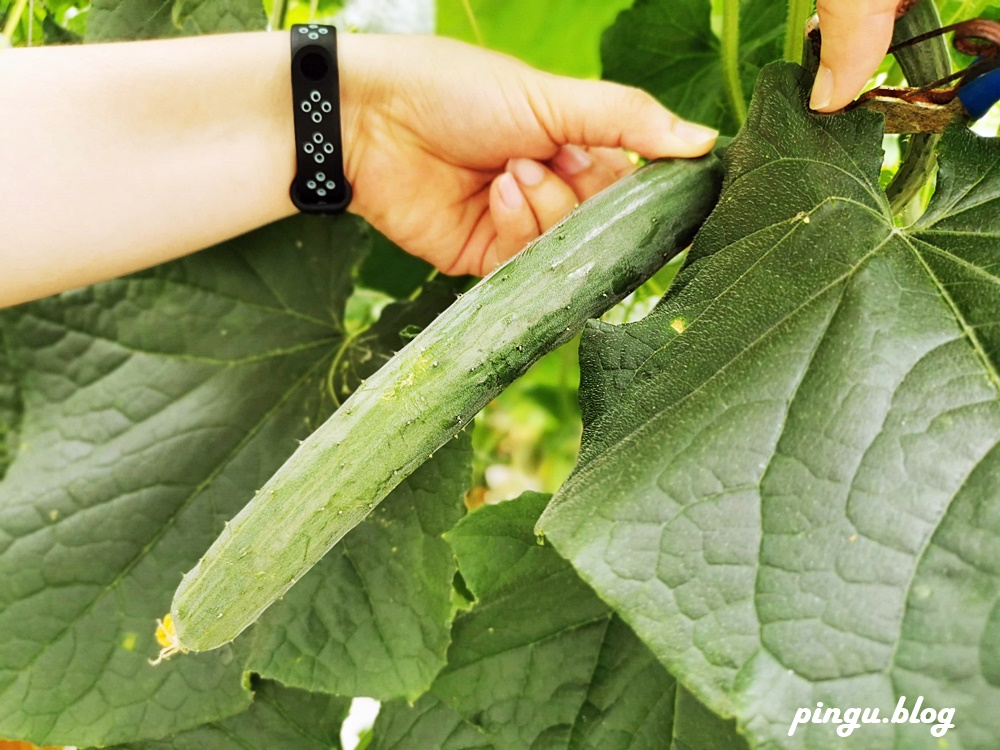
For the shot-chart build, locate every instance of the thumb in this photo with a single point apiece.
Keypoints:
(856, 36)
(602, 114)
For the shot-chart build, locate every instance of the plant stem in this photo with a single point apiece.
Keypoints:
(798, 13)
(929, 62)
(731, 57)
(277, 20)
(14, 18)
(473, 22)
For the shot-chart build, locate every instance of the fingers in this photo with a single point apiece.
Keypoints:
(616, 159)
(856, 36)
(525, 201)
(529, 198)
(549, 197)
(598, 113)
(589, 172)
(513, 220)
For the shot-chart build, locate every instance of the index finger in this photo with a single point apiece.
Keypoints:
(856, 36)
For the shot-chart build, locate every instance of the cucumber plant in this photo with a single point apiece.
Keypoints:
(785, 494)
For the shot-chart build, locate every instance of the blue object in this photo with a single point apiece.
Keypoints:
(981, 93)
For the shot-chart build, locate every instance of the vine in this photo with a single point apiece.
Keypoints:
(731, 58)
(799, 12)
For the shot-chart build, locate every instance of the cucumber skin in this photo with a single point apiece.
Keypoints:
(433, 387)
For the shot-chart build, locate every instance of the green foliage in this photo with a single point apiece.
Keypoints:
(391, 270)
(111, 20)
(540, 661)
(667, 48)
(561, 36)
(10, 407)
(56, 34)
(795, 456)
(154, 407)
(787, 489)
(215, 16)
(953, 11)
(279, 719)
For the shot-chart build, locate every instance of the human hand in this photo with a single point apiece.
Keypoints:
(856, 36)
(462, 156)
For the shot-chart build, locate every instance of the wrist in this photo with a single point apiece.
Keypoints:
(354, 100)
(363, 96)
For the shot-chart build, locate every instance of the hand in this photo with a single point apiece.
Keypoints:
(462, 156)
(856, 36)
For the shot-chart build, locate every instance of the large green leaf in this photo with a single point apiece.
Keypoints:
(154, 407)
(790, 483)
(560, 36)
(373, 618)
(668, 48)
(540, 661)
(10, 408)
(217, 16)
(391, 269)
(280, 718)
(112, 20)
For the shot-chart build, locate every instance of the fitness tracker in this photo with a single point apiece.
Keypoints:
(320, 186)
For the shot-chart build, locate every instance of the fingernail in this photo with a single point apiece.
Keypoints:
(529, 173)
(572, 160)
(510, 193)
(822, 91)
(693, 133)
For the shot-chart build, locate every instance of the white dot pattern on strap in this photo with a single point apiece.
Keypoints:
(314, 106)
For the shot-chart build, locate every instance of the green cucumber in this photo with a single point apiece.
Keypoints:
(432, 389)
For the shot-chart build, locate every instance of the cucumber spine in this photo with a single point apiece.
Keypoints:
(434, 386)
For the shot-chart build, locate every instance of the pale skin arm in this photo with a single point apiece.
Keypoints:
(122, 156)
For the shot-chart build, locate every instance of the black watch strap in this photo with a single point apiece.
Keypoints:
(319, 185)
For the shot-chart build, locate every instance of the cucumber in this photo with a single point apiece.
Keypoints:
(432, 389)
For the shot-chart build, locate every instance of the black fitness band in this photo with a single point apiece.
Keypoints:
(320, 186)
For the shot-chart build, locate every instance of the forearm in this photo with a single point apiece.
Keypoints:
(118, 157)
(121, 156)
